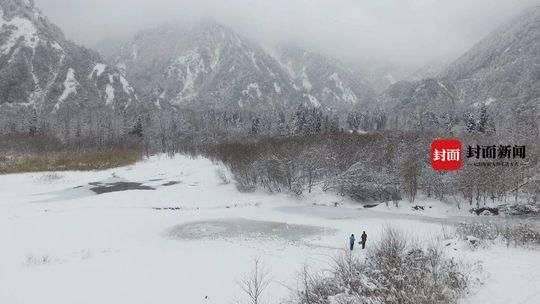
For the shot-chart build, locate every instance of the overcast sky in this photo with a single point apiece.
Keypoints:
(409, 31)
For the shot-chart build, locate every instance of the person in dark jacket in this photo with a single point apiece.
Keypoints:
(364, 238)
(352, 239)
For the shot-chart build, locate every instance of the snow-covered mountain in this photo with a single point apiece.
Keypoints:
(429, 94)
(206, 65)
(323, 80)
(427, 104)
(40, 69)
(505, 65)
(501, 73)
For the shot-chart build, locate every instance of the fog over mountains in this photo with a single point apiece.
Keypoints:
(204, 65)
(505, 66)
(500, 73)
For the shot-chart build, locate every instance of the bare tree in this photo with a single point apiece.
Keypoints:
(305, 293)
(255, 283)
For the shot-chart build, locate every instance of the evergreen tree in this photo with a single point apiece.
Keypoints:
(32, 129)
(334, 125)
(483, 122)
(298, 122)
(470, 123)
(137, 128)
(255, 126)
(326, 125)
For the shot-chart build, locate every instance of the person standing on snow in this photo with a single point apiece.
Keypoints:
(352, 239)
(364, 238)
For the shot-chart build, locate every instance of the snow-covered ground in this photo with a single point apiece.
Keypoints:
(194, 237)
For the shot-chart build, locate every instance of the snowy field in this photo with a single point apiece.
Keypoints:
(170, 231)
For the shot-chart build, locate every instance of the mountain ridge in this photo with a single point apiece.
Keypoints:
(206, 64)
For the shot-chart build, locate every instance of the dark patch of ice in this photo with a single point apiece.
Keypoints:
(369, 206)
(118, 187)
(171, 183)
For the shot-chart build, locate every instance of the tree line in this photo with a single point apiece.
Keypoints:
(364, 155)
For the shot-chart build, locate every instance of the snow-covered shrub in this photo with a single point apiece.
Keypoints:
(32, 260)
(297, 189)
(315, 288)
(222, 175)
(395, 271)
(473, 242)
(483, 230)
(244, 185)
(362, 183)
(521, 209)
(516, 234)
(521, 234)
(404, 272)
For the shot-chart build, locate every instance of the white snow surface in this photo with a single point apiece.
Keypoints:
(62, 243)
(57, 46)
(125, 85)
(252, 88)
(20, 28)
(305, 80)
(277, 88)
(188, 68)
(98, 69)
(70, 87)
(313, 100)
(109, 94)
(135, 52)
(347, 94)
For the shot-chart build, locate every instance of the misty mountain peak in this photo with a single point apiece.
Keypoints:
(505, 64)
(206, 64)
